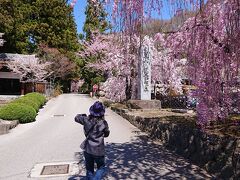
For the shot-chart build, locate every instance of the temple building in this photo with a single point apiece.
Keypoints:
(11, 83)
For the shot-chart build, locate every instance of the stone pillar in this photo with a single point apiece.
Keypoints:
(145, 69)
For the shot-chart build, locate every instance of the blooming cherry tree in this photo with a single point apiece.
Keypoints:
(165, 67)
(110, 58)
(29, 68)
(122, 67)
(209, 42)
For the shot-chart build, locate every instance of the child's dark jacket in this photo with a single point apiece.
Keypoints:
(98, 130)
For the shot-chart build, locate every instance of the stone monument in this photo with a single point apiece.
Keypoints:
(144, 82)
(145, 68)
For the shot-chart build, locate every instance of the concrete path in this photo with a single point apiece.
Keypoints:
(57, 138)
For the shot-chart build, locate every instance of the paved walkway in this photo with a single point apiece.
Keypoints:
(57, 138)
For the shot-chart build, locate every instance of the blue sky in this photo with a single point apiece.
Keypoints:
(79, 15)
(80, 6)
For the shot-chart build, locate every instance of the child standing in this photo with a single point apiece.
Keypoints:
(95, 129)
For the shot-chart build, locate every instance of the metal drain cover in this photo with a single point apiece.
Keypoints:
(55, 169)
(58, 115)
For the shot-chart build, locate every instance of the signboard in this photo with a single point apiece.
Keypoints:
(146, 61)
(1, 40)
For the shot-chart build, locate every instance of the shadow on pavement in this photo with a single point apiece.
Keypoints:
(142, 159)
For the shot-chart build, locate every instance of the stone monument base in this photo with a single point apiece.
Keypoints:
(144, 104)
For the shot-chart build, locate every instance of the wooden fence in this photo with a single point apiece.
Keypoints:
(33, 87)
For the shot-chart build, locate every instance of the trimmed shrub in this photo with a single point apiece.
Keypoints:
(33, 99)
(28, 101)
(38, 97)
(18, 111)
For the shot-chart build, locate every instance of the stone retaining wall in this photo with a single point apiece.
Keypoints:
(144, 104)
(219, 155)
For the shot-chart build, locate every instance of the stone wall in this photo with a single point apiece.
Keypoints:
(144, 104)
(218, 154)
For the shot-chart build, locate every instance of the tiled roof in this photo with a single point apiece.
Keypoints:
(12, 57)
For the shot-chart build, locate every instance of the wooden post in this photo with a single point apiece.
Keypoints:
(22, 88)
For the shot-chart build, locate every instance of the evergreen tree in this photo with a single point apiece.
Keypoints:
(95, 21)
(15, 22)
(56, 27)
(95, 18)
(26, 24)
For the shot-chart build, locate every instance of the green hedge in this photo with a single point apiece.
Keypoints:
(18, 111)
(38, 97)
(24, 108)
(36, 100)
(28, 101)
